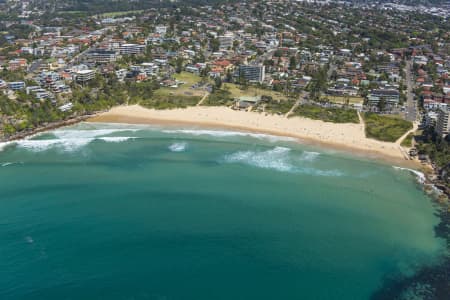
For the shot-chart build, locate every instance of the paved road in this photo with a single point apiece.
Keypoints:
(411, 104)
(35, 65)
(332, 68)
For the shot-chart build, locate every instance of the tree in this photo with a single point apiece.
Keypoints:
(214, 45)
(278, 53)
(218, 82)
(382, 104)
(179, 65)
(292, 63)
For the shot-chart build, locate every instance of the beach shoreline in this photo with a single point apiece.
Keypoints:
(349, 138)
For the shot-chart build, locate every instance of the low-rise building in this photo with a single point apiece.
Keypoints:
(390, 96)
(84, 75)
(131, 49)
(226, 41)
(245, 102)
(101, 56)
(16, 85)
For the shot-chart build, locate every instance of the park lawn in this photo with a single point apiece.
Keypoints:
(385, 128)
(185, 89)
(187, 77)
(407, 142)
(327, 114)
(170, 102)
(251, 91)
(279, 107)
(219, 98)
(342, 99)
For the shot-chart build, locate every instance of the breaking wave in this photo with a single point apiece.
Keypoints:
(63, 144)
(74, 133)
(70, 140)
(309, 156)
(226, 133)
(178, 147)
(420, 176)
(116, 139)
(5, 164)
(278, 159)
(4, 145)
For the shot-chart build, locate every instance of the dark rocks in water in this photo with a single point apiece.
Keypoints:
(429, 283)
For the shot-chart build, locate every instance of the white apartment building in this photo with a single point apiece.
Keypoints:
(442, 123)
(131, 49)
(84, 75)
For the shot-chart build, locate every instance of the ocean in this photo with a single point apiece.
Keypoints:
(110, 211)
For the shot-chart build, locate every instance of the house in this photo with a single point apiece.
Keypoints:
(141, 77)
(66, 107)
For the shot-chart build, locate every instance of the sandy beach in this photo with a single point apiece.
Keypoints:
(349, 137)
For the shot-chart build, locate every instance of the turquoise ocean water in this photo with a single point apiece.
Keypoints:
(108, 211)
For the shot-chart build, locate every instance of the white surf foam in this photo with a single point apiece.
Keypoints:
(420, 176)
(116, 139)
(70, 140)
(226, 133)
(317, 172)
(178, 147)
(66, 145)
(309, 156)
(74, 133)
(4, 145)
(278, 159)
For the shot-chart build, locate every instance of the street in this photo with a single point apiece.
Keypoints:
(411, 104)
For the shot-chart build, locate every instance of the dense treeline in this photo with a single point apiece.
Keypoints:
(24, 112)
(103, 6)
(437, 148)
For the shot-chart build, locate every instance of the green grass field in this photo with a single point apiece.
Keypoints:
(179, 97)
(407, 142)
(170, 102)
(185, 89)
(385, 128)
(279, 107)
(333, 115)
(219, 98)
